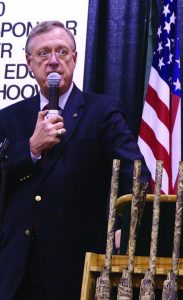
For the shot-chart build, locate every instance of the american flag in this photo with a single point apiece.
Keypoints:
(160, 129)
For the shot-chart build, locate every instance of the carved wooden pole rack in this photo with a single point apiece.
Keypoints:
(95, 262)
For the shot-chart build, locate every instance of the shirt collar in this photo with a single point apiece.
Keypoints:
(62, 99)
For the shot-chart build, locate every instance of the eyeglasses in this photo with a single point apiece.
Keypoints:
(44, 55)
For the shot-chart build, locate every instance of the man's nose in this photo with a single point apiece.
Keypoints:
(53, 58)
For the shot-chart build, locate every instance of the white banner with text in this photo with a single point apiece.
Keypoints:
(16, 21)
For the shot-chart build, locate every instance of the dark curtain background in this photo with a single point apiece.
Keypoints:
(117, 57)
(120, 41)
(119, 46)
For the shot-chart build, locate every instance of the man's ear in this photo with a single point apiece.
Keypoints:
(28, 59)
(75, 56)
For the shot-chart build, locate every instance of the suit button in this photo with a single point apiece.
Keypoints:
(38, 198)
(27, 232)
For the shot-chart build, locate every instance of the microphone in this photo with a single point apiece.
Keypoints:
(53, 82)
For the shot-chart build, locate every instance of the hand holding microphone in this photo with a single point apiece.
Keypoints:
(49, 127)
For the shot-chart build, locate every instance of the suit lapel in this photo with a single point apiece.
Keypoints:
(30, 112)
(72, 113)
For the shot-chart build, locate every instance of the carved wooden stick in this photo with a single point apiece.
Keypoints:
(178, 221)
(147, 283)
(103, 286)
(170, 287)
(134, 214)
(125, 291)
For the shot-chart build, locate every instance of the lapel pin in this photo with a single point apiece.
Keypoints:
(75, 115)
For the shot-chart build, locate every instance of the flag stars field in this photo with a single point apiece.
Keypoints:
(177, 84)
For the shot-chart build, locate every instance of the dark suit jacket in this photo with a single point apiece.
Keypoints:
(73, 183)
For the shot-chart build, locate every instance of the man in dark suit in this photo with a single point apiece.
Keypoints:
(59, 175)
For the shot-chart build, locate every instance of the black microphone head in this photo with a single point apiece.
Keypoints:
(54, 79)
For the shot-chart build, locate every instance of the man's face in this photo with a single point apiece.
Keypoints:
(41, 63)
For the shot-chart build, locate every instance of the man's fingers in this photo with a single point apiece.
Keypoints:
(60, 132)
(41, 115)
(54, 119)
